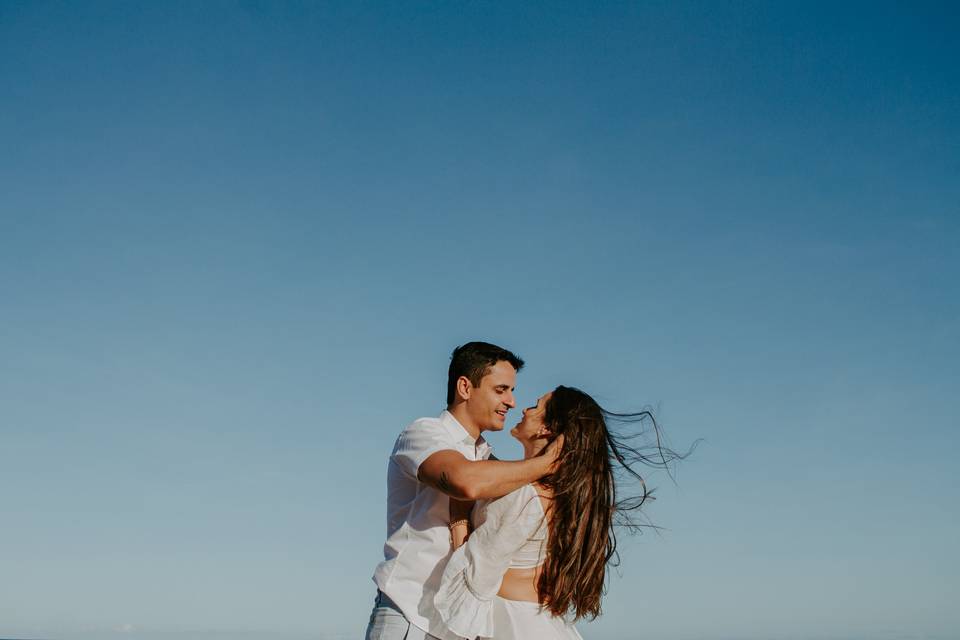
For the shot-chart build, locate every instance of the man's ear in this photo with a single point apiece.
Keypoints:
(464, 387)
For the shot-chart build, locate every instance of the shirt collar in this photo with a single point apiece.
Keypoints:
(458, 433)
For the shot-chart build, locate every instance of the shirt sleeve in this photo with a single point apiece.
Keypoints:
(417, 443)
(475, 571)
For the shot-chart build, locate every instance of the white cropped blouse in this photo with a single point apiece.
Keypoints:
(511, 532)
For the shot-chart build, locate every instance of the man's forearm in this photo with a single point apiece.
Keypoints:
(495, 478)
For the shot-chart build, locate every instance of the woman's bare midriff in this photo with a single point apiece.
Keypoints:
(520, 584)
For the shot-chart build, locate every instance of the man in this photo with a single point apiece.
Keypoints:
(434, 460)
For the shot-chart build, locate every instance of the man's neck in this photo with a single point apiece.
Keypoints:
(459, 412)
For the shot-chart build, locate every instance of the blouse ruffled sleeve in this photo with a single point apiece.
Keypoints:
(474, 572)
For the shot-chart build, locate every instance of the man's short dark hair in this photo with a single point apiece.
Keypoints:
(474, 361)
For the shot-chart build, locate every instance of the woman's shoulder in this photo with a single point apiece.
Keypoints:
(545, 494)
(518, 502)
(518, 495)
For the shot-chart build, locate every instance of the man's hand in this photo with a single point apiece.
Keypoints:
(551, 454)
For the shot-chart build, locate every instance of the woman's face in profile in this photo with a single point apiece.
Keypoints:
(531, 426)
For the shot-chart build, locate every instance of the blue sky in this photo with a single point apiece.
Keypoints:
(239, 240)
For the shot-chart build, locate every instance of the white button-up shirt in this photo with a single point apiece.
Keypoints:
(418, 537)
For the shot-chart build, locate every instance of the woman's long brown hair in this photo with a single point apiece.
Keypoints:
(582, 541)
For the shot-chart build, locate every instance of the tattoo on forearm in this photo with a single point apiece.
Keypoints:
(444, 483)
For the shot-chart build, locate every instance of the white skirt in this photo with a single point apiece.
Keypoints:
(519, 620)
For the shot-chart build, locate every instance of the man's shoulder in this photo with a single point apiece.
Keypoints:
(419, 439)
(425, 429)
(427, 424)
(428, 421)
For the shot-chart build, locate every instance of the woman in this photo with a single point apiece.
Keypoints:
(536, 562)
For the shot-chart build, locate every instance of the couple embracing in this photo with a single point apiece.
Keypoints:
(483, 548)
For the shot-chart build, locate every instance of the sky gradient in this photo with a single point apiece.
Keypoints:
(239, 240)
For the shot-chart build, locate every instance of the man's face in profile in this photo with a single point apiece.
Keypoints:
(490, 401)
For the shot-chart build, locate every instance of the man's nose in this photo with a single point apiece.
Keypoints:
(510, 401)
